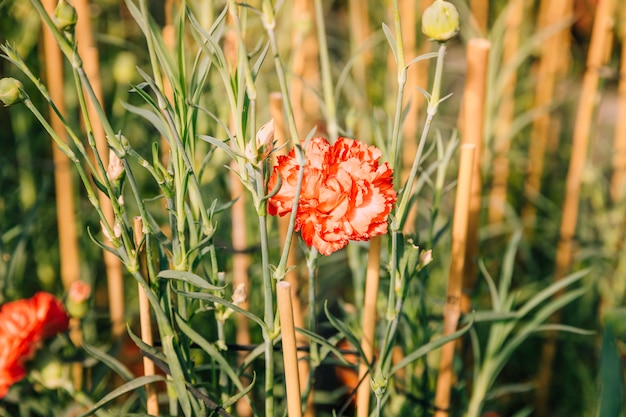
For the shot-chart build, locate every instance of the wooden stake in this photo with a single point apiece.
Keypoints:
(480, 11)
(290, 356)
(596, 58)
(472, 131)
(368, 325)
(89, 53)
(305, 67)
(553, 53)
(506, 111)
(618, 180)
(417, 76)
(452, 308)
(63, 185)
(152, 403)
(359, 32)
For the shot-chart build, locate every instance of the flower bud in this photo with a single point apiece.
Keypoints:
(11, 91)
(240, 295)
(440, 21)
(426, 257)
(124, 68)
(65, 16)
(50, 372)
(117, 231)
(264, 143)
(77, 297)
(115, 169)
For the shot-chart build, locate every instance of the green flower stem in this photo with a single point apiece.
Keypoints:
(269, 23)
(14, 57)
(91, 195)
(402, 77)
(433, 106)
(118, 211)
(156, 72)
(327, 82)
(313, 348)
(66, 45)
(268, 292)
(268, 317)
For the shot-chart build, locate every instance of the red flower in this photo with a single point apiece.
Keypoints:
(346, 194)
(23, 324)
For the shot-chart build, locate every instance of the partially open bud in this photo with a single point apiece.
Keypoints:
(240, 295)
(11, 91)
(264, 143)
(440, 21)
(117, 231)
(115, 169)
(65, 16)
(77, 297)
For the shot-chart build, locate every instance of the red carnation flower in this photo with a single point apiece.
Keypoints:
(346, 194)
(23, 324)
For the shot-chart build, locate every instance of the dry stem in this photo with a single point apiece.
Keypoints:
(290, 356)
(368, 325)
(152, 403)
(452, 308)
(502, 142)
(89, 53)
(596, 58)
(472, 130)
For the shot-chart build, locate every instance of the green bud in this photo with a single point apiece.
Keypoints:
(65, 16)
(440, 21)
(11, 91)
(124, 68)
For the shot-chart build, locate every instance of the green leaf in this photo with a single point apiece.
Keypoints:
(550, 291)
(429, 347)
(391, 41)
(154, 119)
(219, 300)
(219, 144)
(189, 278)
(178, 375)
(611, 378)
(117, 366)
(347, 333)
(211, 351)
(325, 345)
(124, 389)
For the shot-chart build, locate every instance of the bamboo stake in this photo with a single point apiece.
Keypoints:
(480, 11)
(551, 65)
(596, 58)
(152, 403)
(305, 67)
(472, 131)
(292, 277)
(506, 112)
(368, 325)
(618, 180)
(290, 356)
(417, 76)
(452, 308)
(359, 32)
(88, 51)
(63, 185)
